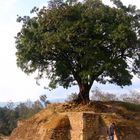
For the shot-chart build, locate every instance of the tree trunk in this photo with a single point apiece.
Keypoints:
(83, 95)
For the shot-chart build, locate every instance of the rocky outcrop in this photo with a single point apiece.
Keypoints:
(71, 125)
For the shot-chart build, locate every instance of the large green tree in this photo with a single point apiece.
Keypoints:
(81, 42)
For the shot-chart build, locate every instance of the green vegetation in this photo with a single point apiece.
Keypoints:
(73, 42)
(10, 115)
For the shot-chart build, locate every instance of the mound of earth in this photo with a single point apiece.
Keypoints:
(70, 121)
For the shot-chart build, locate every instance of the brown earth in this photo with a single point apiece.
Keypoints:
(4, 138)
(69, 121)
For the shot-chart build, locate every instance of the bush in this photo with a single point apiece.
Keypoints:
(132, 97)
(72, 97)
(98, 95)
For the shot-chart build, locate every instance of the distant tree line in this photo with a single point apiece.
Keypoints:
(99, 95)
(10, 114)
(131, 97)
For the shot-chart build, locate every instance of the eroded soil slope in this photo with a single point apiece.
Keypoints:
(81, 122)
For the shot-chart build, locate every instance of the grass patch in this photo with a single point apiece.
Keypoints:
(131, 106)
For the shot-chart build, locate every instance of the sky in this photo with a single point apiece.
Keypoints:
(16, 85)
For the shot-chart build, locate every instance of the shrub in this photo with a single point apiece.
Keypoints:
(98, 95)
(72, 97)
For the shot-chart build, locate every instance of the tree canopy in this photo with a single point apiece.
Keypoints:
(75, 42)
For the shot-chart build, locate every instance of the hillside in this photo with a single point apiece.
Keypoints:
(81, 122)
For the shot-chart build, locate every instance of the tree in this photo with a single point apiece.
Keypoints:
(99, 95)
(10, 105)
(79, 43)
(72, 97)
(7, 120)
(43, 99)
(132, 97)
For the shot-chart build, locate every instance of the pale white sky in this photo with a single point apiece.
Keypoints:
(16, 85)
